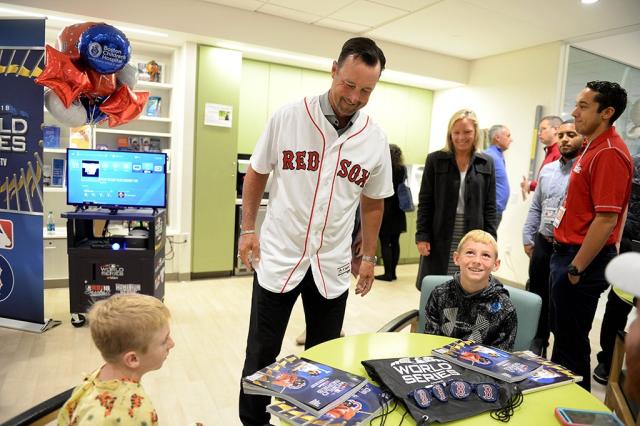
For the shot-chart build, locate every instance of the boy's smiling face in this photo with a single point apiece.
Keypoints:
(476, 261)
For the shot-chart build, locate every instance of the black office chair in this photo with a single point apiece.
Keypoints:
(41, 414)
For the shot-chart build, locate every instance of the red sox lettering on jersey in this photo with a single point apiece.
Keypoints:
(303, 160)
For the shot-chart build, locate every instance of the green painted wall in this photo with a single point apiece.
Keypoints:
(215, 152)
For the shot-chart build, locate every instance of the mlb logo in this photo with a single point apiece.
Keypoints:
(6, 234)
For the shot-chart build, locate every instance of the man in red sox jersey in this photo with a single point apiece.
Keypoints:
(326, 157)
(587, 225)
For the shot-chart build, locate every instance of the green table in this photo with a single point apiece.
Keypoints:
(537, 408)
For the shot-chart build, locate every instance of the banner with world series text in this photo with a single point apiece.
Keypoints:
(21, 170)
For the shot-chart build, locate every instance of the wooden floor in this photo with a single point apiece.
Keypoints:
(200, 379)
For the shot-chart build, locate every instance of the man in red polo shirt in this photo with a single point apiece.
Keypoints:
(588, 224)
(548, 136)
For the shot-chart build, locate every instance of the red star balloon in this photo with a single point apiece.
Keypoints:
(101, 84)
(124, 105)
(63, 77)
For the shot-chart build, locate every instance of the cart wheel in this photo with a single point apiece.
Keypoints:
(78, 320)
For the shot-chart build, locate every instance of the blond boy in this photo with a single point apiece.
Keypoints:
(474, 304)
(132, 334)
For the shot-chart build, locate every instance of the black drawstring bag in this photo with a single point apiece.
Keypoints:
(403, 376)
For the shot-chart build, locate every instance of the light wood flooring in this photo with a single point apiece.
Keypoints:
(200, 379)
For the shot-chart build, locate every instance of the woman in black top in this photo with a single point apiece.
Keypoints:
(394, 221)
(457, 194)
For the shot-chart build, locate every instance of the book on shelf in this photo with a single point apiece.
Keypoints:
(80, 137)
(51, 136)
(153, 106)
(310, 385)
(549, 376)
(491, 361)
(150, 71)
(359, 409)
(57, 172)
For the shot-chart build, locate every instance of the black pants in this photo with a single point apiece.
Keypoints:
(615, 318)
(573, 308)
(390, 250)
(539, 284)
(270, 314)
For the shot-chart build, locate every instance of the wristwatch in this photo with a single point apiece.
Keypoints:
(573, 270)
(370, 259)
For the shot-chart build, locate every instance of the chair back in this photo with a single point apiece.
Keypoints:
(428, 284)
(527, 306)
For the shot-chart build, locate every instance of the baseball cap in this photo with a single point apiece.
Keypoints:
(623, 272)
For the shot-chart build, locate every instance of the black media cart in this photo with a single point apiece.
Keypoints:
(103, 265)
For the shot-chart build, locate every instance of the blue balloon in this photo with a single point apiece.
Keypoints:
(92, 106)
(104, 48)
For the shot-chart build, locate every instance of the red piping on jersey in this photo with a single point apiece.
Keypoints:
(326, 217)
(313, 204)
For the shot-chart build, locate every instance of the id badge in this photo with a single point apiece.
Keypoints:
(559, 215)
(548, 215)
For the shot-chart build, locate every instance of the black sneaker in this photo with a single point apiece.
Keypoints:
(601, 374)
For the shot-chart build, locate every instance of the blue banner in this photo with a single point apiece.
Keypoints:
(21, 196)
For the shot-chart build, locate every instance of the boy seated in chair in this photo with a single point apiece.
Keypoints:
(474, 305)
(132, 333)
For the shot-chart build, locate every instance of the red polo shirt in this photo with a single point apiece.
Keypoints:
(551, 153)
(600, 182)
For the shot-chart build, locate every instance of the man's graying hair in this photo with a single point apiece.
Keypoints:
(365, 49)
(494, 130)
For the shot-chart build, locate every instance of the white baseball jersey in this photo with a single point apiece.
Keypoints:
(317, 180)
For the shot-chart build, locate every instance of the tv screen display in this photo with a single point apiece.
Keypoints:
(116, 178)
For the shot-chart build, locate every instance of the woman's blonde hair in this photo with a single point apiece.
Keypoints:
(126, 322)
(460, 115)
(478, 236)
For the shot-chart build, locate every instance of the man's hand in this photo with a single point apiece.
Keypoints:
(424, 248)
(249, 249)
(528, 249)
(365, 279)
(573, 279)
(525, 187)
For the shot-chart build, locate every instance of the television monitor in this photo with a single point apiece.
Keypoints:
(116, 179)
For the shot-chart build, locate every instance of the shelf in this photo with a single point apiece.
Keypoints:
(151, 85)
(133, 132)
(55, 189)
(55, 150)
(160, 119)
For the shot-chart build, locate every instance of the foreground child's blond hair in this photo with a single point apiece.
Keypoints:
(126, 322)
(479, 236)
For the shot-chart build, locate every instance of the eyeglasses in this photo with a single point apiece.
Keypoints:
(456, 389)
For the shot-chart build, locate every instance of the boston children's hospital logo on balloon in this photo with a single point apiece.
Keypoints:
(105, 48)
(90, 79)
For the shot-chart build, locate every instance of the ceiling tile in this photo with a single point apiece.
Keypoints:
(367, 13)
(287, 13)
(408, 5)
(453, 28)
(322, 8)
(343, 25)
(239, 4)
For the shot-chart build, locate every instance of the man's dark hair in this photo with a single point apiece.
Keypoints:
(365, 49)
(609, 94)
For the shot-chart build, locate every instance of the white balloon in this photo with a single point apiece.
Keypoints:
(74, 116)
(128, 75)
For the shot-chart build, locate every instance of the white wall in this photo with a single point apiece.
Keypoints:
(505, 89)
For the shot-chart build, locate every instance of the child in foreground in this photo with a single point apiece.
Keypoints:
(132, 333)
(474, 305)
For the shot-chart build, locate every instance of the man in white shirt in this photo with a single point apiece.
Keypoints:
(326, 157)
